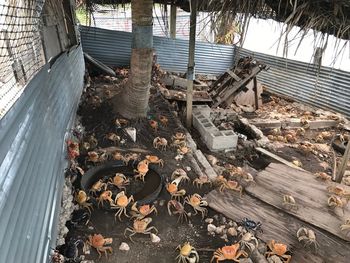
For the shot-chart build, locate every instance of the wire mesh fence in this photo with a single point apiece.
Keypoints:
(21, 54)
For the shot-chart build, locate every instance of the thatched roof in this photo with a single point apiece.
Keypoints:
(330, 17)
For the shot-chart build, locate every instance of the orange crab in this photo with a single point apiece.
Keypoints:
(229, 184)
(105, 196)
(120, 203)
(163, 120)
(183, 150)
(173, 190)
(73, 149)
(142, 169)
(277, 249)
(112, 137)
(229, 253)
(140, 227)
(180, 173)
(118, 156)
(132, 157)
(154, 125)
(203, 179)
(93, 157)
(155, 159)
(121, 122)
(196, 201)
(323, 176)
(119, 180)
(179, 136)
(160, 143)
(338, 190)
(82, 199)
(143, 210)
(100, 244)
(96, 187)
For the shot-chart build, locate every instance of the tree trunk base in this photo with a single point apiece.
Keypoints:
(133, 101)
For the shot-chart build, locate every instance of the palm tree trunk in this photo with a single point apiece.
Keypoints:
(133, 102)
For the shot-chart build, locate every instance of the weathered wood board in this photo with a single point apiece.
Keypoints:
(280, 226)
(310, 194)
(201, 96)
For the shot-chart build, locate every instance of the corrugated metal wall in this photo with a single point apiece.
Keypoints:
(32, 159)
(114, 48)
(326, 88)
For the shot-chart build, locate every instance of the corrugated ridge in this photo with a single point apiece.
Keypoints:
(31, 201)
(114, 48)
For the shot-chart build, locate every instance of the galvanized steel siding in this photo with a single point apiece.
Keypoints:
(114, 49)
(32, 159)
(326, 88)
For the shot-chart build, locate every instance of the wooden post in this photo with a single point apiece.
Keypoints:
(173, 21)
(256, 93)
(344, 164)
(70, 21)
(191, 64)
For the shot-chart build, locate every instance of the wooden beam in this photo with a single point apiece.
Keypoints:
(173, 21)
(191, 64)
(279, 159)
(344, 164)
(256, 94)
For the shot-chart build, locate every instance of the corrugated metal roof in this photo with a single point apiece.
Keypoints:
(32, 159)
(326, 87)
(114, 48)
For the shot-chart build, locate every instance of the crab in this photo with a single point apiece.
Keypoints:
(120, 203)
(179, 209)
(163, 120)
(132, 157)
(121, 122)
(180, 173)
(119, 180)
(307, 236)
(183, 150)
(338, 190)
(346, 227)
(179, 136)
(92, 141)
(336, 201)
(73, 149)
(112, 137)
(82, 199)
(143, 210)
(290, 138)
(100, 243)
(160, 143)
(229, 253)
(229, 184)
(248, 240)
(289, 202)
(187, 254)
(277, 249)
(118, 156)
(323, 176)
(142, 169)
(93, 157)
(202, 179)
(178, 143)
(173, 190)
(155, 159)
(196, 201)
(153, 124)
(97, 187)
(140, 227)
(105, 196)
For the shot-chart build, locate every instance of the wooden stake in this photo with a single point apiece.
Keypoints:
(256, 94)
(344, 164)
(190, 68)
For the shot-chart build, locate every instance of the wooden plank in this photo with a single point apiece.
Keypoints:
(344, 164)
(277, 158)
(233, 75)
(199, 96)
(311, 196)
(279, 226)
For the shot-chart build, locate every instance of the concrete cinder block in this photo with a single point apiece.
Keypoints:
(218, 141)
(267, 123)
(322, 124)
(203, 109)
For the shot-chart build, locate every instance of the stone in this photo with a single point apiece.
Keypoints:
(219, 230)
(223, 220)
(188, 168)
(232, 231)
(211, 228)
(224, 236)
(209, 220)
(155, 238)
(124, 247)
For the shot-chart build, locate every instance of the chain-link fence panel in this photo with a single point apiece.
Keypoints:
(21, 54)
